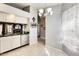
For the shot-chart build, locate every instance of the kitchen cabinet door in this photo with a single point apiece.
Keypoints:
(24, 39)
(21, 20)
(10, 18)
(2, 17)
(6, 44)
(16, 41)
(18, 19)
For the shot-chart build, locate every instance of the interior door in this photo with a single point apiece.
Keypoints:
(42, 28)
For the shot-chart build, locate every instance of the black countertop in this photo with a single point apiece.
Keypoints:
(14, 34)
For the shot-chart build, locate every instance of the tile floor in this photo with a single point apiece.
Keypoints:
(38, 49)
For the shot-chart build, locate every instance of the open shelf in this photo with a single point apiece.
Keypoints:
(10, 29)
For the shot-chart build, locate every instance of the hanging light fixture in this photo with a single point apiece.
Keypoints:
(41, 11)
(44, 12)
(49, 11)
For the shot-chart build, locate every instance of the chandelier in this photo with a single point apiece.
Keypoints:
(44, 12)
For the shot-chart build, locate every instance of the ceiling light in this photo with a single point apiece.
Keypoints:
(51, 13)
(40, 14)
(49, 10)
(44, 12)
(41, 11)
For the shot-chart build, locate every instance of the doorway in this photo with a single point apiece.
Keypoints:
(41, 29)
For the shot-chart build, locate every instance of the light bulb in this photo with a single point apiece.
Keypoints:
(51, 13)
(49, 10)
(41, 11)
(40, 14)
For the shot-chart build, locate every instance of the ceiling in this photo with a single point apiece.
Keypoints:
(34, 5)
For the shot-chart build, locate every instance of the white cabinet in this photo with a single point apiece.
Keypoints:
(10, 18)
(5, 17)
(8, 43)
(2, 16)
(24, 39)
(21, 20)
(16, 41)
(18, 19)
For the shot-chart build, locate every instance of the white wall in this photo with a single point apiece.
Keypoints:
(54, 24)
(33, 31)
(66, 6)
(53, 27)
